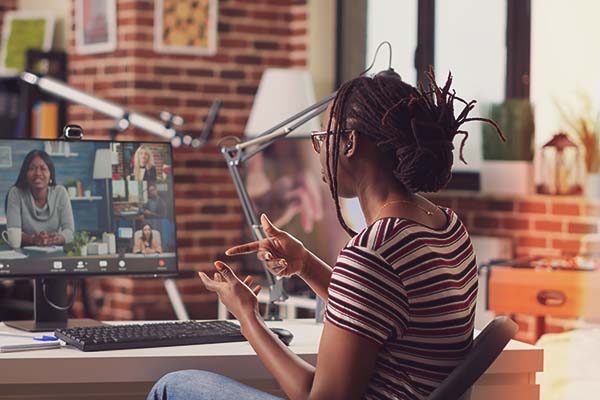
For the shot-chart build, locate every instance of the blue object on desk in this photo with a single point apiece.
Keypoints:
(45, 338)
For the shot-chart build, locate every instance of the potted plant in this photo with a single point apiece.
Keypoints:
(71, 186)
(508, 166)
(78, 246)
(583, 125)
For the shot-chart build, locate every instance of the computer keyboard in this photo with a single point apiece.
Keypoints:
(142, 335)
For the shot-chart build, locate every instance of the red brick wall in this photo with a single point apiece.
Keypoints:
(252, 35)
(538, 224)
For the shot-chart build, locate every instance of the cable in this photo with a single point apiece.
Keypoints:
(56, 306)
(375, 57)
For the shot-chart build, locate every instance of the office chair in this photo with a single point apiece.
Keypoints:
(487, 346)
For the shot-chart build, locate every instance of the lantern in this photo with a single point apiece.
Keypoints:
(561, 170)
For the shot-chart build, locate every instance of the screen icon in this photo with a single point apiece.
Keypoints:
(80, 264)
(103, 263)
(121, 263)
(57, 265)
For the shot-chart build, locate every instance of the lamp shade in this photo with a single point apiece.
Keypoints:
(102, 164)
(281, 94)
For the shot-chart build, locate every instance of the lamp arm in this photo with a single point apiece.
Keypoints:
(142, 121)
(287, 130)
(272, 134)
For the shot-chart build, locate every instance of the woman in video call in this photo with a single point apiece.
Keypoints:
(401, 296)
(147, 244)
(38, 206)
(143, 165)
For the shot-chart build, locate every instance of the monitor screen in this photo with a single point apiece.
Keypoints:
(86, 208)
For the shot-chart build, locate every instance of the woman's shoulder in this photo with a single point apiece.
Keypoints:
(60, 191)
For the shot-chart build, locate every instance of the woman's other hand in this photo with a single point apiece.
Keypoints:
(237, 296)
(282, 253)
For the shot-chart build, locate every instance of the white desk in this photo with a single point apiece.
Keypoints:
(68, 373)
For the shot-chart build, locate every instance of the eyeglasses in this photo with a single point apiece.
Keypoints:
(318, 137)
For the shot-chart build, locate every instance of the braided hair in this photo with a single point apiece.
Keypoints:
(414, 127)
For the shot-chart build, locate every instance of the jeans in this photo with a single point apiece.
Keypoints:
(203, 385)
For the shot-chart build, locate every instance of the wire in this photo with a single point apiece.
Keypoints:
(56, 306)
(375, 57)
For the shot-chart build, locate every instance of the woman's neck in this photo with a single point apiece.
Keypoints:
(375, 193)
(39, 195)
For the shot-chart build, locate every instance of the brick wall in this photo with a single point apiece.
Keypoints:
(539, 225)
(252, 35)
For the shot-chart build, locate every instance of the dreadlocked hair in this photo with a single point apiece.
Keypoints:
(413, 127)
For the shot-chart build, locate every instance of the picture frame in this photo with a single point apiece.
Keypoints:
(23, 30)
(185, 26)
(95, 26)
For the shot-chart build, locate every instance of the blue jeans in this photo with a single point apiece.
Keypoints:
(203, 385)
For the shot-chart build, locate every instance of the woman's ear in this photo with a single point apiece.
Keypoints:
(350, 146)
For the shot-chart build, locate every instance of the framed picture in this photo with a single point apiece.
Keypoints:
(24, 30)
(95, 26)
(185, 26)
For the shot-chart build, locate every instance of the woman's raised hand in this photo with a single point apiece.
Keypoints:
(283, 254)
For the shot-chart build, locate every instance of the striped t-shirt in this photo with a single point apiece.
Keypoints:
(411, 289)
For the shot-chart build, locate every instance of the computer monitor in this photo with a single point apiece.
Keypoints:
(74, 209)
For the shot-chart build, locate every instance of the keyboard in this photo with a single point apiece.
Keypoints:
(153, 334)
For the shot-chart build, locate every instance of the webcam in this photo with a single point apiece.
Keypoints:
(73, 132)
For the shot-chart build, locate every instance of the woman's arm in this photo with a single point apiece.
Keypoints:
(316, 273)
(138, 246)
(346, 359)
(156, 248)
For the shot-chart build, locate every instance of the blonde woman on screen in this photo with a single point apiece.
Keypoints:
(143, 167)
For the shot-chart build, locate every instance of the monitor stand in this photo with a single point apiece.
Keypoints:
(47, 318)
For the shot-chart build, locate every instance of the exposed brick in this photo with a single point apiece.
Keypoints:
(233, 74)
(253, 60)
(264, 45)
(566, 245)
(199, 72)
(548, 226)
(565, 209)
(582, 228)
(531, 207)
(515, 223)
(486, 222)
(531, 241)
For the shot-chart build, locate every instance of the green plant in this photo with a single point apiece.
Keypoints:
(584, 126)
(515, 118)
(71, 182)
(80, 239)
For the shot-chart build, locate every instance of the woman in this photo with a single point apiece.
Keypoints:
(143, 165)
(146, 243)
(401, 297)
(38, 206)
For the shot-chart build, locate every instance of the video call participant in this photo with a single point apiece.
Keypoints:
(143, 165)
(38, 206)
(155, 207)
(147, 244)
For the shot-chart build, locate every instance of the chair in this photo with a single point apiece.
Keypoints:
(155, 236)
(487, 346)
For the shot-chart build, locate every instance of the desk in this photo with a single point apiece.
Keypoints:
(544, 292)
(129, 374)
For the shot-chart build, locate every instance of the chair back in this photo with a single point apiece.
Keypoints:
(155, 236)
(487, 346)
